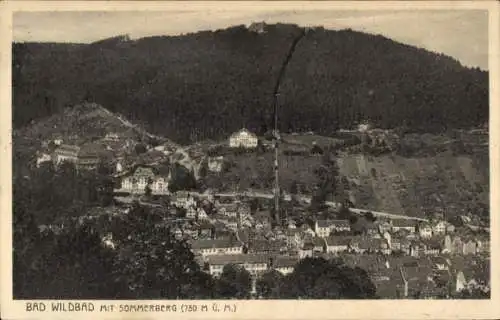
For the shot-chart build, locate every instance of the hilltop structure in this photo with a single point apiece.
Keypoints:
(243, 139)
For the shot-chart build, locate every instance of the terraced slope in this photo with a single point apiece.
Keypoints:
(454, 182)
(411, 185)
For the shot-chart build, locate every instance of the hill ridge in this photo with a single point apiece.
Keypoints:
(208, 84)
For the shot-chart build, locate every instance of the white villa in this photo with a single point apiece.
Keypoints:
(244, 139)
(137, 180)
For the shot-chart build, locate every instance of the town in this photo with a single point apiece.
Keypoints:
(405, 256)
(242, 159)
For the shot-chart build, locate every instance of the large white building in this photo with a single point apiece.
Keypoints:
(142, 176)
(211, 247)
(243, 139)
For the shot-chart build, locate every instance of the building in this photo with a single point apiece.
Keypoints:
(88, 159)
(255, 264)
(191, 212)
(440, 263)
(403, 224)
(201, 214)
(206, 230)
(469, 247)
(243, 210)
(243, 139)
(215, 164)
(322, 228)
(364, 127)
(183, 199)
(139, 177)
(66, 153)
(372, 245)
(439, 227)
(306, 250)
(432, 247)
(293, 237)
(85, 157)
(284, 264)
(232, 223)
(457, 245)
(447, 244)
(425, 231)
(450, 228)
(264, 218)
(340, 226)
(337, 244)
(228, 210)
(383, 226)
(319, 244)
(112, 136)
(42, 158)
(257, 27)
(207, 247)
(264, 246)
(483, 245)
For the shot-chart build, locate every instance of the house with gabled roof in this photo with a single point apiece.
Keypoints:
(306, 250)
(432, 246)
(403, 224)
(284, 264)
(336, 244)
(293, 237)
(207, 247)
(255, 264)
(66, 153)
(324, 228)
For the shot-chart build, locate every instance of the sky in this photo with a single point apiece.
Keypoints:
(462, 34)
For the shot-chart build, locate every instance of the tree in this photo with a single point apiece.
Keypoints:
(147, 190)
(140, 148)
(70, 265)
(338, 101)
(327, 175)
(317, 278)
(234, 282)
(344, 213)
(370, 217)
(473, 293)
(269, 285)
(155, 264)
(254, 205)
(182, 179)
(294, 188)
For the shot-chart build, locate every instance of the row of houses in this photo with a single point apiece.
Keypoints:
(86, 157)
(325, 228)
(255, 264)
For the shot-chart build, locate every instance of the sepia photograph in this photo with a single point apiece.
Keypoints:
(250, 153)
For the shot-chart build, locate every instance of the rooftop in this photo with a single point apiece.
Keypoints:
(403, 223)
(338, 241)
(336, 223)
(237, 259)
(214, 243)
(285, 261)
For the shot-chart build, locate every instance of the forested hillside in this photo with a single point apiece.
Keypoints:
(208, 84)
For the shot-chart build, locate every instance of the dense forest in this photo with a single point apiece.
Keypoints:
(211, 83)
